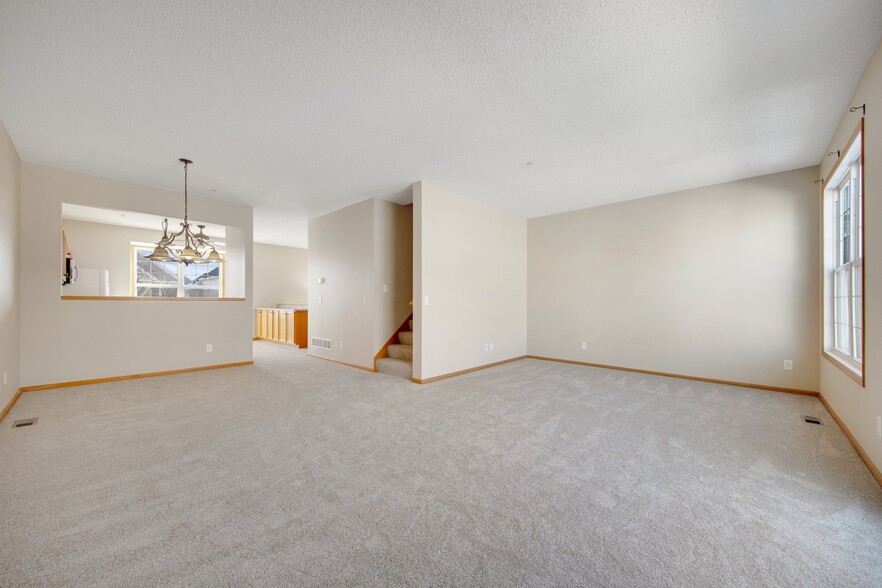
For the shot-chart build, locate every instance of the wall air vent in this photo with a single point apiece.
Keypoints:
(321, 343)
(812, 420)
(24, 423)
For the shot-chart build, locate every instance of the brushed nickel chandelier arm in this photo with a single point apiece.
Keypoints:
(173, 236)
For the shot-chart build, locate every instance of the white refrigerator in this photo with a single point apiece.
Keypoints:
(89, 281)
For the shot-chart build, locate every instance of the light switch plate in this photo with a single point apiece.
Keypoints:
(788, 364)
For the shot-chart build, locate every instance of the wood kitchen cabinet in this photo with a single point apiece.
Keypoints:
(282, 325)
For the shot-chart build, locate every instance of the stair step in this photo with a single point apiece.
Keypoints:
(410, 324)
(395, 367)
(405, 337)
(404, 352)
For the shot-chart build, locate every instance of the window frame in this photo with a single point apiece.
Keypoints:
(841, 174)
(181, 287)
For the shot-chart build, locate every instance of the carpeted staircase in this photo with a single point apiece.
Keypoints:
(400, 360)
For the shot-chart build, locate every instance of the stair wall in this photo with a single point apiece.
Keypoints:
(360, 268)
(470, 261)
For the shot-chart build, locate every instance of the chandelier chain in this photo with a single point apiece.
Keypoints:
(186, 165)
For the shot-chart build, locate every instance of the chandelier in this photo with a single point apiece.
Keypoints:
(194, 247)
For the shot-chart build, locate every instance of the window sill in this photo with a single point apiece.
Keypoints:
(845, 365)
(152, 298)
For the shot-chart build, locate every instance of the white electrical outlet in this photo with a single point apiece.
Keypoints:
(491, 347)
(788, 364)
(426, 300)
(584, 345)
(4, 377)
(486, 347)
(341, 343)
(319, 299)
(209, 348)
(385, 287)
(879, 426)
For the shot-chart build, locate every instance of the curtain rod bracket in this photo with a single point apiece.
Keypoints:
(836, 153)
(862, 108)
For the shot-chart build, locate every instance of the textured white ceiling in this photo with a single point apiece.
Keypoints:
(300, 108)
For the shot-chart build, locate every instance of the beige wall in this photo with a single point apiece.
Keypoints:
(356, 250)
(99, 245)
(718, 282)
(10, 274)
(280, 275)
(341, 253)
(470, 259)
(859, 407)
(75, 340)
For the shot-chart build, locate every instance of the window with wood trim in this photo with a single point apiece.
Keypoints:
(170, 279)
(844, 260)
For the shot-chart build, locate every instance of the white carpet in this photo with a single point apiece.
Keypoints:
(301, 472)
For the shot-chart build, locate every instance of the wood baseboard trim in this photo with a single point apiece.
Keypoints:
(352, 365)
(152, 299)
(681, 376)
(468, 371)
(854, 442)
(10, 404)
(134, 376)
